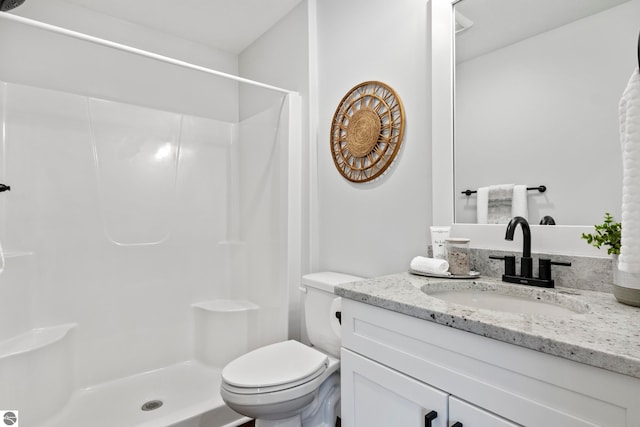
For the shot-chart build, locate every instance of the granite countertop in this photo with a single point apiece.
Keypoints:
(604, 333)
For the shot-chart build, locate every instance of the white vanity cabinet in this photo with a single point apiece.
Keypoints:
(395, 369)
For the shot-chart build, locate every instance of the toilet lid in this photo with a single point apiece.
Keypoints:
(274, 365)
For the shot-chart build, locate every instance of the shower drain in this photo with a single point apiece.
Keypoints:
(151, 405)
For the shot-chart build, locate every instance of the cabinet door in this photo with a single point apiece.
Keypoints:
(463, 414)
(376, 396)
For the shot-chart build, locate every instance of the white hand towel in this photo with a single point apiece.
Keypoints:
(500, 202)
(629, 110)
(519, 205)
(429, 265)
(482, 208)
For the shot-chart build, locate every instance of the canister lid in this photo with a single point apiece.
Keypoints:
(458, 240)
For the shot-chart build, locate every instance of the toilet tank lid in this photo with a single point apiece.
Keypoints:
(327, 280)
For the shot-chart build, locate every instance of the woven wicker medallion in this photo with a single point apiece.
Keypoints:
(367, 130)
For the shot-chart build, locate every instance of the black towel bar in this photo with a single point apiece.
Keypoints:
(540, 188)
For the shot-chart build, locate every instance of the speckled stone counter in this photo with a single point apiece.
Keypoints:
(605, 334)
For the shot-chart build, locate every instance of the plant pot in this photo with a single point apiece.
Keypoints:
(626, 286)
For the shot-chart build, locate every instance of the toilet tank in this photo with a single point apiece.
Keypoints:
(320, 305)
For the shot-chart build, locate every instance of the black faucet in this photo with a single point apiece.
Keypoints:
(526, 263)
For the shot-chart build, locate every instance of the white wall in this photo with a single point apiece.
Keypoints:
(62, 63)
(375, 228)
(281, 57)
(366, 229)
(77, 18)
(544, 111)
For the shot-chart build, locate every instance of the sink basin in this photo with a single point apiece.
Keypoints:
(507, 298)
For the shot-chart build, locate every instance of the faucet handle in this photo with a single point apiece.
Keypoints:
(544, 267)
(509, 263)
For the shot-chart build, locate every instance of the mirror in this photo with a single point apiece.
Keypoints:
(559, 239)
(537, 87)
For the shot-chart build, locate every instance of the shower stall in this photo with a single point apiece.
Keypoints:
(151, 232)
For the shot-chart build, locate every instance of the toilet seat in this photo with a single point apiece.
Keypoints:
(289, 400)
(273, 368)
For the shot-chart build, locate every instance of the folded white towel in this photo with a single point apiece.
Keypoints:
(429, 265)
(519, 205)
(497, 204)
(500, 202)
(629, 260)
(497, 207)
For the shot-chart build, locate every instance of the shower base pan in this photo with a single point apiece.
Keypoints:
(182, 395)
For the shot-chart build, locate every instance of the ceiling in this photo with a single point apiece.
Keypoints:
(499, 23)
(230, 25)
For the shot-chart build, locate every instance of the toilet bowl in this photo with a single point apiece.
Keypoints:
(290, 384)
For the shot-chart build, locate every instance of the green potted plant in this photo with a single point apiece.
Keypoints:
(609, 233)
(606, 234)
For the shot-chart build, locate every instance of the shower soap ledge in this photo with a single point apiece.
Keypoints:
(34, 339)
(224, 305)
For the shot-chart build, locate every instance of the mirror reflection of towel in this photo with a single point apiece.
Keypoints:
(519, 206)
(497, 204)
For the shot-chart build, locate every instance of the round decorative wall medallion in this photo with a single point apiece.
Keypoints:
(367, 130)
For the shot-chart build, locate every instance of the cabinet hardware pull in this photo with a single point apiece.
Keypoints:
(456, 424)
(430, 417)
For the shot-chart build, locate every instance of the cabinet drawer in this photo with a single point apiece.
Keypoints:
(528, 387)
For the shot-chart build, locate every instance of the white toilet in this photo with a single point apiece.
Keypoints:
(289, 384)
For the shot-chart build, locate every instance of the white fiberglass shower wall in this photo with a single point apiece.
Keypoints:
(151, 222)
